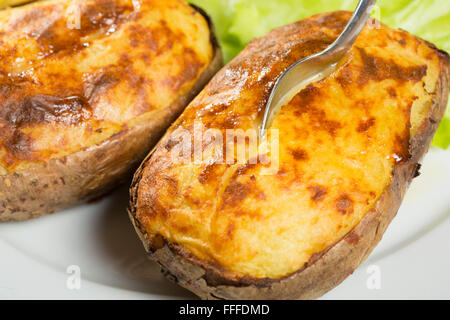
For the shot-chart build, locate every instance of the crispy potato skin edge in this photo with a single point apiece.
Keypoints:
(92, 172)
(325, 270)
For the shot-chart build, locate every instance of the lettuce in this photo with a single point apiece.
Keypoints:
(442, 137)
(239, 21)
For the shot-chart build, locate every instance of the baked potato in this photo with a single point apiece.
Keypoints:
(349, 146)
(86, 90)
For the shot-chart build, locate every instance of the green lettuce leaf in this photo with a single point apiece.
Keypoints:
(239, 21)
(442, 137)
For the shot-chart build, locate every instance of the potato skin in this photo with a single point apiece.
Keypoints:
(325, 269)
(87, 174)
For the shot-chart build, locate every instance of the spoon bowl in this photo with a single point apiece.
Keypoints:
(315, 67)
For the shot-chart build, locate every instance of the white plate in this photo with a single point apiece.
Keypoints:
(412, 261)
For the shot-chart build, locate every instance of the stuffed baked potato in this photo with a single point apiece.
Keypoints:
(349, 145)
(86, 89)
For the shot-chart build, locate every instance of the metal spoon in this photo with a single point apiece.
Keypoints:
(315, 67)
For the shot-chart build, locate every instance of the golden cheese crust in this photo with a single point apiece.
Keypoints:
(81, 107)
(75, 73)
(12, 3)
(341, 143)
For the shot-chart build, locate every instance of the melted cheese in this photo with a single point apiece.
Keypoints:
(339, 140)
(75, 73)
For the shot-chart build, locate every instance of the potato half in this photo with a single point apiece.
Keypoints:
(349, 145)
(86, 89)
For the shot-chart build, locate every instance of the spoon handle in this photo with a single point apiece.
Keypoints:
(316, 65)
(353, 28)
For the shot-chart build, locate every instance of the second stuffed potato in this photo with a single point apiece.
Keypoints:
(86, 89)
